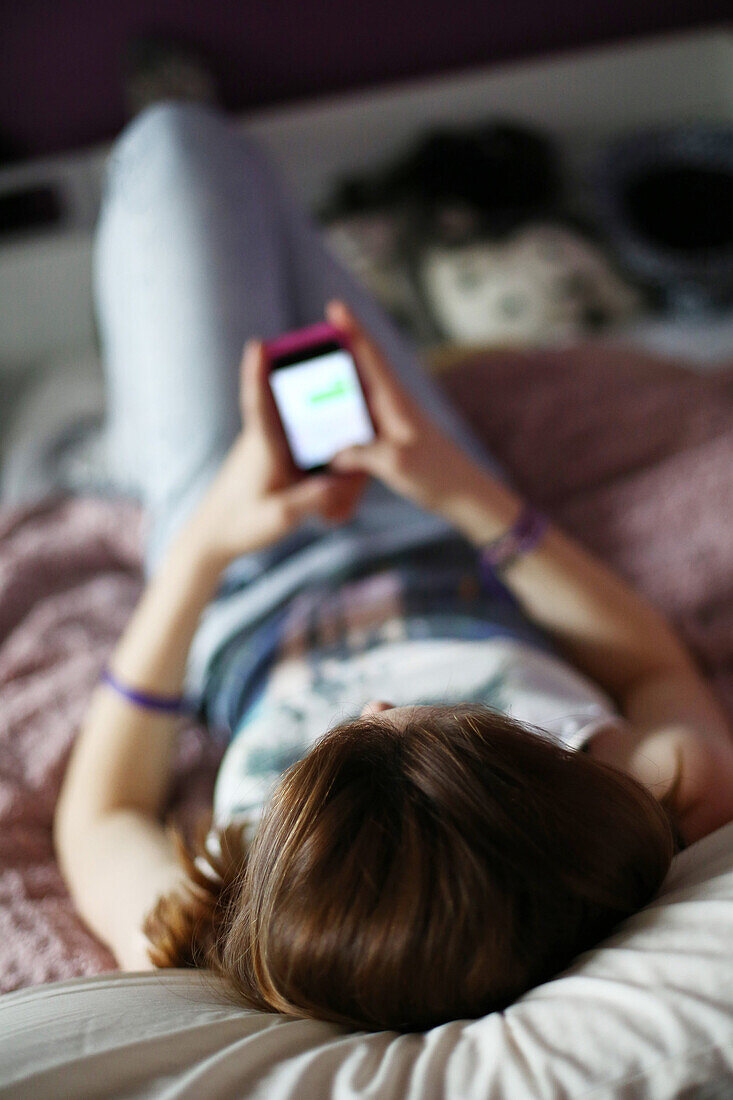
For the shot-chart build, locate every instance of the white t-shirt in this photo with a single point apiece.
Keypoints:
(301, 702)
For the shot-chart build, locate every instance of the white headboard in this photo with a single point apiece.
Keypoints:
(580, 99)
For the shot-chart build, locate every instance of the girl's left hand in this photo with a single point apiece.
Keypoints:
(259, 495)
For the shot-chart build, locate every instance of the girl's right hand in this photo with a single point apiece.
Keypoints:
(410, 454)
(258, 496)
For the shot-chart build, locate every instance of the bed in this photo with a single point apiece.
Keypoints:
(644, 482)
(648, 1013)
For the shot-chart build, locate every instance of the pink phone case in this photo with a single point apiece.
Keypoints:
(304, 338)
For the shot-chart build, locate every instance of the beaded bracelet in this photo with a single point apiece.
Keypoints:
(164, 704)
(523, 535)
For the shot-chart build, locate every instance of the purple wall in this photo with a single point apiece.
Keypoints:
(61, 60)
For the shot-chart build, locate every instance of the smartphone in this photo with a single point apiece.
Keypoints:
(315, 383)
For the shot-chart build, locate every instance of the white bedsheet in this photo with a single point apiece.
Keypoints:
(649, 1013)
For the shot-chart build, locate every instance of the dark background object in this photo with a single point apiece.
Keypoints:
(501, 172)
(62, 61)
(665, 199)
(29, 208)
(494, 167)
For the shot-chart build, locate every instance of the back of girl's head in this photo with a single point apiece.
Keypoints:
(404, 877)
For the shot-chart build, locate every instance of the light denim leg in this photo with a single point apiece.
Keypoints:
(199, 247)
(189, 263)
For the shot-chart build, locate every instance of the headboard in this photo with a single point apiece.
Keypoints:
(579, 99)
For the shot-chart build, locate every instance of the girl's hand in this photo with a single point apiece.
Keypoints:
(411, 454)
(259, 495)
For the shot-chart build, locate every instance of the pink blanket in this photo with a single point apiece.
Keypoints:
(631, 455)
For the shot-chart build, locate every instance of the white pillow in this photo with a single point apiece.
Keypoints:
(647, 1014)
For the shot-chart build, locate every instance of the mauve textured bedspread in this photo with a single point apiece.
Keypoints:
(630, 454)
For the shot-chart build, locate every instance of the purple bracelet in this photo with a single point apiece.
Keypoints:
(164, 704)
(522, 536)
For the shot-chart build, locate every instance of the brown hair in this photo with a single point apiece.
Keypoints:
(404, 877)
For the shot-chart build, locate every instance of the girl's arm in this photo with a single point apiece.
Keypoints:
(675, 722)
(603, 626)
(115, 855)
(113, 850)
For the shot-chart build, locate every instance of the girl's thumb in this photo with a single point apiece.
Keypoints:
(322, 494)
(354, 460)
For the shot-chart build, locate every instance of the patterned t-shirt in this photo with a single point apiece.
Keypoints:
(427, 628)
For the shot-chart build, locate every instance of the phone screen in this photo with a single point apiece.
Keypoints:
(321, 403)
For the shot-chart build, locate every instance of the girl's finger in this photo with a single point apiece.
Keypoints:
(324, 494)
(376, 372)
(257, 403)
(250, 380)
(370, 458)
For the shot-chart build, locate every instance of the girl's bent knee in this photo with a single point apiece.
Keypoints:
(173, 145)
(158, 144)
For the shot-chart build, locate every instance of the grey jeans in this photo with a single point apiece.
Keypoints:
(200, 246)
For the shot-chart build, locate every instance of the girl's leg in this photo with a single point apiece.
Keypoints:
(199, 247)
(189, 263)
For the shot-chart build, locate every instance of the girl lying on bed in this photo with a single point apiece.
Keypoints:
(461, 750)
